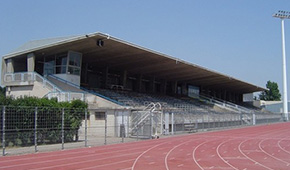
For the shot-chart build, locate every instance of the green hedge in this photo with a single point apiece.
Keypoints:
(20, 120)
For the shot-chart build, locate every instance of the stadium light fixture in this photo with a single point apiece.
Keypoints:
(284, 15)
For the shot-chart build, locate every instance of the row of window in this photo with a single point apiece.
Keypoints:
(69, 63)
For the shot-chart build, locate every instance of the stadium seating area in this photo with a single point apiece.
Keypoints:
(184, 104)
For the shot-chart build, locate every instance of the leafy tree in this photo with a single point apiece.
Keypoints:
(20, 114)
(2, 91)
(272, 94)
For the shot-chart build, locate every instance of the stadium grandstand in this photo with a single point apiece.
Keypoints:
(111, 74)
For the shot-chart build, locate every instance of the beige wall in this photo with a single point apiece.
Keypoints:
(36, 90)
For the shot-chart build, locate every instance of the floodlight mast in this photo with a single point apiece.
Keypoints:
(284, 15)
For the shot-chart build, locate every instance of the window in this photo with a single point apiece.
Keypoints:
(100, 115)
(63, 63)
(74, 64)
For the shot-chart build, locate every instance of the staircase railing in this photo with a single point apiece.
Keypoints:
(86, 90)
(138, 122)
(22, 77)
(224, 104)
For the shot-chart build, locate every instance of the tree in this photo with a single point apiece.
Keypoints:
(2, 91)
(272, 94)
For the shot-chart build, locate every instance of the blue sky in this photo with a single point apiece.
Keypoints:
(239, 38)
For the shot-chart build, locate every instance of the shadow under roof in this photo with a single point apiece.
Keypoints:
(122, 55)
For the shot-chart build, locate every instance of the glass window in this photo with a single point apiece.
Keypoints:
(48, 67)
(64, 63)
(73, 70)
(74, 59)
(193, 91)
(100, 115)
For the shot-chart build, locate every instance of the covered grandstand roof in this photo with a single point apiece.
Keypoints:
(122, 55)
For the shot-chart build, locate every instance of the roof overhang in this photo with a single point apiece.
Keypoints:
(122, 55)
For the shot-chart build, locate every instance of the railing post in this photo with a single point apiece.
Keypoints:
(86, 128)
(3, 130)
(123, 127)
(106, 128)
(172, 123)
(35, 130)
(62, 129)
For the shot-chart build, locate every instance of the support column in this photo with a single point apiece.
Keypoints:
(85, 73)
(163, 86)
(9, 66)
(184, 90)
(139, 83)
(225, 95)
(124, 79)
(105, 76)
(174, 87)
(30, 62)
(152, 84)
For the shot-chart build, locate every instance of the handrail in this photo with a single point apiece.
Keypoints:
(66, 96)
(86, 90)
(33, 78)
(225, 103)
(99, 95)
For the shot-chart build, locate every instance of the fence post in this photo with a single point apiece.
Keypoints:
(123, 126)
(172, 123)
(3, 130)
(86, 128)
(105, 128)
(151, 125)
(62, 129)
(35, 130)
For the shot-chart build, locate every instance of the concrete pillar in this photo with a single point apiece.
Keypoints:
(139, 83)
(9, 66)
(30, 62)
(220, 94)
(152, 84)
(163, 86)
(124, 78)
(85, 73)
(225, 95)
(184, 89)
(174, 87)
(105, 76)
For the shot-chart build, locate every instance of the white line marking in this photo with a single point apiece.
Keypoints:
(134, 164)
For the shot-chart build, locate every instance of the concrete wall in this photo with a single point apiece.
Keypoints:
(36, 90)
(70, 78)
(98, 102)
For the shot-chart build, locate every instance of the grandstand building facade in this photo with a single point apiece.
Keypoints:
(111, 73)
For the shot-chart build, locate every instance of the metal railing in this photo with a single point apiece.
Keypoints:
(30, 76)
(86, 90)
(224, 104)
(67, 96)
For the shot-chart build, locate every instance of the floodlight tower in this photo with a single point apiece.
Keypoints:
(284, 15)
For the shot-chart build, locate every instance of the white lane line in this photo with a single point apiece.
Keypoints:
(257, 163)
(218, 153)
(94, 167)
(66, 158)
(283, 149)
(79, 162)
(271, 155)
(166, 157)
(180, 165)
(193, 155)
(136, 160)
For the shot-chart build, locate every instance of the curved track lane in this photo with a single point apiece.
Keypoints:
(259, 147)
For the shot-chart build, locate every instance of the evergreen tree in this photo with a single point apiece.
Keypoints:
(272, 94)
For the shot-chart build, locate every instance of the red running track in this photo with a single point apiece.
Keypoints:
(259, 147)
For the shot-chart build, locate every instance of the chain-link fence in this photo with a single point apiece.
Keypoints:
(34, 129)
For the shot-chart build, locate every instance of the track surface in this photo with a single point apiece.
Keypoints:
(251, 148)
